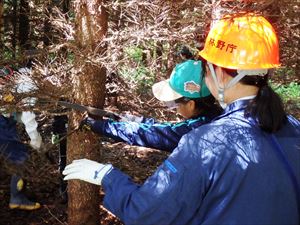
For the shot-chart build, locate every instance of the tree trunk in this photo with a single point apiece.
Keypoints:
(1, 28)
(14, 25)
(66, 6)
(89, 89)
(24, 25)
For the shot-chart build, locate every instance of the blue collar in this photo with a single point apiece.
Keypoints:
(239, 105)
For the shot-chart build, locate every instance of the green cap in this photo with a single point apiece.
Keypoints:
(186, 80)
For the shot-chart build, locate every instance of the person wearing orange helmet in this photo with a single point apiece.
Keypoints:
(241, 54)
(241, 168)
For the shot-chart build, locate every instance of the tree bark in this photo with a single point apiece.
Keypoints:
(24, 24)
(65, 6)
(89, 89)
(1, 27)
(14, 25)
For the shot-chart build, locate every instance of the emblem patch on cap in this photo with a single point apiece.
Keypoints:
(191, 87)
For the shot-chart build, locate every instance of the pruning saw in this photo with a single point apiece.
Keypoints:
(89, 109)
(83, 108)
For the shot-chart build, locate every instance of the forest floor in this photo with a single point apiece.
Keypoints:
(136, 161)
(43, 176)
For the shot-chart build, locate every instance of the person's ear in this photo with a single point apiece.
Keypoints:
(192, 105)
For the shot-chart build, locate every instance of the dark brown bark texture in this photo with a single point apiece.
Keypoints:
(24, 24)
(88, 89)
(1, 26)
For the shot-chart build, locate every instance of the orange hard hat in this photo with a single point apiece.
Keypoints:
(244, 42)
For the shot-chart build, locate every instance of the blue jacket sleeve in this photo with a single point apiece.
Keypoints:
(225, 172)
(161, 198)
(210, 178)
(162, 136)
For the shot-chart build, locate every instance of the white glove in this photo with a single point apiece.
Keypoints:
(131, 118)
(86, 170)
(28, 119)
(36, 143)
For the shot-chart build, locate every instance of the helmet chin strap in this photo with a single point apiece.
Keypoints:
(233, 81)
(221, 90)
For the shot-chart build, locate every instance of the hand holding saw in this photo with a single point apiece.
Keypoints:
(90, 110)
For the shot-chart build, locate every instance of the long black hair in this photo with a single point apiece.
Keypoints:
(267, 107)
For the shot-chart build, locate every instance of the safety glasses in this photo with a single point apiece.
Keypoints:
(175, 103)
(171, 104)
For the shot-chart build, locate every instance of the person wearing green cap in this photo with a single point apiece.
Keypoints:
(242, 167)
(186, 91)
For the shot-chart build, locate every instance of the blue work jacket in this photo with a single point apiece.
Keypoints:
(226, 172)
(149, 133)
(11, 147)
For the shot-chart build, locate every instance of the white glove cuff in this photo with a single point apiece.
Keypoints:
(102, 172)
(37, 142)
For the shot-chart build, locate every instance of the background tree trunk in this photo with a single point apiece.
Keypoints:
(24, 25)
(1, 27)
(89, 89)
(14, 21)
(65, 6)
